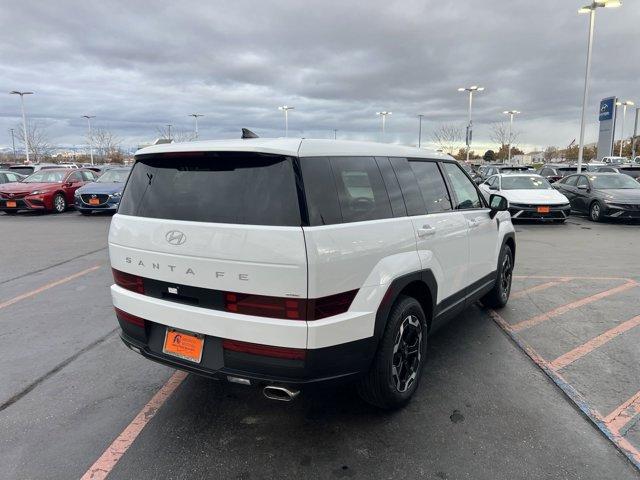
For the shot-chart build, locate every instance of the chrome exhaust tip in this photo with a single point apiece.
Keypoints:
(282, 394)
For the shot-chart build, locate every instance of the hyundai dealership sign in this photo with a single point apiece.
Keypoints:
(607, 117)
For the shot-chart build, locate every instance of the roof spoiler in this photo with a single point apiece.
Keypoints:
(246, 133)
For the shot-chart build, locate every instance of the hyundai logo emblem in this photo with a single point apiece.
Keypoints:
(175, 237)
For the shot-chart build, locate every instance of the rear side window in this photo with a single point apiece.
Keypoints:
(361, 191)
(409, 186)
(465, 191)
(432, 186)
(320, 191)
(220, 187)
(22, 170)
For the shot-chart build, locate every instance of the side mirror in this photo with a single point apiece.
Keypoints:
(68, 184)
(493, 187)
(497, 203)
(583, 187)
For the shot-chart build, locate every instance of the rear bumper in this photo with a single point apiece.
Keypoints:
(336, 348)
(530, 212)
(324, 366)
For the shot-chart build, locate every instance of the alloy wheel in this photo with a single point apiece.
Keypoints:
(595, 212)
(58, 203)
(506, 275)
(407, 353)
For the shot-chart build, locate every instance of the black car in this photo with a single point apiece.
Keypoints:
(553, 173)
(601, 195)
(631, 170)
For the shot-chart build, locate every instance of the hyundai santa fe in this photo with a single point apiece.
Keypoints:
(283, 263)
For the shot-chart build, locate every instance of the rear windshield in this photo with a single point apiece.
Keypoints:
(22, 170)
(564, 171)
(219, 187)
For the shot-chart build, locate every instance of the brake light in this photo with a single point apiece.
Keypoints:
(264, 350)
(128, 281)
(288, 308)
(127, 317)
(329, 306)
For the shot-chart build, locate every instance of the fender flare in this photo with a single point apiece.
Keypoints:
(424, 277)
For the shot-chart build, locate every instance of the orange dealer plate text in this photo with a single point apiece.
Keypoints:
(184, 345)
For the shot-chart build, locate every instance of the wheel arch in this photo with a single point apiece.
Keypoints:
(420, 285)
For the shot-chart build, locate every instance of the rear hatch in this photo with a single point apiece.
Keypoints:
(228, 222)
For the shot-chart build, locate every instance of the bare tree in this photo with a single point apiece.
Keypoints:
(38, 137)
(105, 143)
(178, 135)
(500, 134)
(550, 153)
(448, 137)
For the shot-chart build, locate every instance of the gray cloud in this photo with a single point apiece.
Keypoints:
(137, 65)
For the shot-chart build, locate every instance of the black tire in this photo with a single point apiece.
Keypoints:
(595, 212)
(387, 385)
(499, 294)
(59, 203)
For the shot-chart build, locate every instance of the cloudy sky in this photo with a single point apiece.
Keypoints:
(138, 65)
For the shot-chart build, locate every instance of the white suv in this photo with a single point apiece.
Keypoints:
(286, 262)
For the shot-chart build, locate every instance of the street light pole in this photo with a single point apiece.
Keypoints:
(335, 133)
(285, 109)
(169, 126)
(13, 144)
(511, 113)
(24, 119)
(420, 129)
(471, 90)
(635, 135)
(624, 104)
(591, 10)
(89, 117)
(195, 116)
(384, 118)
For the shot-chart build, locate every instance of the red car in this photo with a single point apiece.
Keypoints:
(47, 190)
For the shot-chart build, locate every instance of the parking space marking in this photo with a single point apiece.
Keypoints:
(621, 418)
(48, 286)
(621, 443)
(582, 350)
(108, 460)
(538, 288)
(543, 317)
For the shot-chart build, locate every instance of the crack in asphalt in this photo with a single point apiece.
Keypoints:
(54, 370)
(52, 266)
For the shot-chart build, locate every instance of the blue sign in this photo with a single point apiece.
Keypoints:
(606, 108)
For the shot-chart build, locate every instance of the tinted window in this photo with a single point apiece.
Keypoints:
(567, 171)
(409, 186)
(240, 188)
(320, 191)
(361, 191)
(465, 191)
(571, 181)
(432, 186)
(87, 175)
(392, 186)
(22, 170)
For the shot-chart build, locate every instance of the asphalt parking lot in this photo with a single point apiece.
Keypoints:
(532, 391)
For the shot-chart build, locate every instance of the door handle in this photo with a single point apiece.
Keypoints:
(426, 231)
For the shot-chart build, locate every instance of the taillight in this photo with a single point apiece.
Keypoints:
(128, 281)
(264, 350)
(289, 308)
(127, 317)
(263, 306)
(329, 306)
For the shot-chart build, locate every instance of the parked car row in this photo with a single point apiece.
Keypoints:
(56, 189)
(598, 194)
